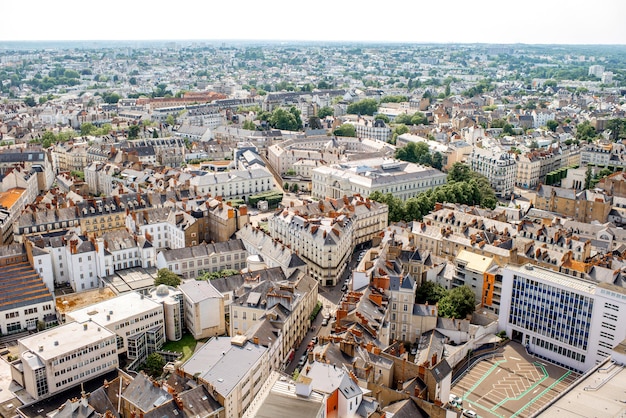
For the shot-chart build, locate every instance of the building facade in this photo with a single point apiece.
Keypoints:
(568, 320)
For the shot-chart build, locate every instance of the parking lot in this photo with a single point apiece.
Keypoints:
(512, 384)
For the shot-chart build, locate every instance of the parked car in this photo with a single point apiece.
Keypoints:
(469, 413)
(325, 322)
(456, 399)
(302, 361)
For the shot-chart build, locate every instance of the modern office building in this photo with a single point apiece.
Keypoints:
(565, 319)
(63, 357)
(138, 321)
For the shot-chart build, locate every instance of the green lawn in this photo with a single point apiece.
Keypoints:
(186, 345)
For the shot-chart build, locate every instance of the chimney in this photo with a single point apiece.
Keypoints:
(434, 360)
(255, 340)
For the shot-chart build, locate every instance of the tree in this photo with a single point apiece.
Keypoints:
(585, 131)
(430, 292)
(588, 178)
(155, 133)
(154, 364)
(382, 117)
(170, 120)
(167, 277)
(363, 107)
(30, 101)
(552, 125)
(346, 129)
(87, 128)
(459, 172)
(286, 120)
(325, 111)
(616, 126)
(414, 152)
(249, 125)
(315, 123)
(133, 131)
(457, 303)
(437, 160)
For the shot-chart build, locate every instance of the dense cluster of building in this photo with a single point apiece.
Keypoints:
(89, 222)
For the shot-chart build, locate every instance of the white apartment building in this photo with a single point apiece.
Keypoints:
(193, 262)
(373, 129)
(159, 226)
(600, 155)
(102, 178)
(233, 184)
(325, 233)
(138, 321)
(386, 175)
(566, 319)
(233, 370)
(63, 357)
(541, 117)
(324, 243)
(69, 258)
(498, 166)
(204, 309)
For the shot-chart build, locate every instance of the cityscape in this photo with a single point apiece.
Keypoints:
(233, 228)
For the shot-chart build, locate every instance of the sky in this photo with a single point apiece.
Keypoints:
(418, 21)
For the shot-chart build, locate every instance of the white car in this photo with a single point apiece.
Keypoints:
(456, 399)
(469, 413)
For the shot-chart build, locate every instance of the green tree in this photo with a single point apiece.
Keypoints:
(133, 132)
(430, 292)
(616, 126)
(437, 160)
(588, 178)
(286, 120)
(154, 364)
(382, 117)
(363, 107)
(325, 111)
(249, 125)
(457, 303)
(459, 172)
(30, 101)
(346, 129)
(87, 128)
(170, 120)
(552, 125)
(155, 133)
(414, 152)
(585, 132)
(167, 277)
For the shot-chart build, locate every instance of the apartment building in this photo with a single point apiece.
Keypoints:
(31, 161)
(265, 252)
(585, 206)
(102, 178)
(236, 184)
(324, 233)
(286, 304)
(571, 321)
(402, 179)
(204, 309)
(603, 154)
(138, 321)
(533, 166)
(498, 166)
(233, 370)
(193, 262)
(63, 357)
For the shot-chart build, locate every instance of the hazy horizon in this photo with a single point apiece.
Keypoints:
(532, 22)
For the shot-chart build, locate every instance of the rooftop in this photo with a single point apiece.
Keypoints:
(113, 310)
(65, 338)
